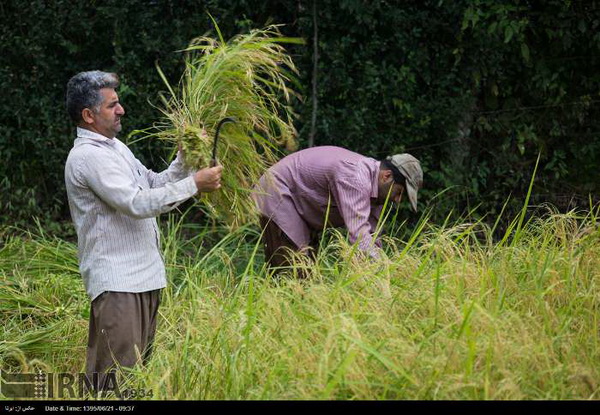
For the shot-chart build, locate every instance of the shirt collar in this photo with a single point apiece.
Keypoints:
(84, 133)
(375, 183)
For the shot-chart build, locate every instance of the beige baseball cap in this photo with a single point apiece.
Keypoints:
(410, 168)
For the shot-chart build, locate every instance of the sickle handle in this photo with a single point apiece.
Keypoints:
(213, 160)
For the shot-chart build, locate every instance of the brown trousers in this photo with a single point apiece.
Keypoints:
(121, 326)
(279, 247)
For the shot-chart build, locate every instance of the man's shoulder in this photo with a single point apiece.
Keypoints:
(325, 156)
(357, 172)
(330, 151)
(351, 162)
(83, 147)
(84, 154)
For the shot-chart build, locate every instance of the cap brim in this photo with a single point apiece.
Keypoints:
(412, 196)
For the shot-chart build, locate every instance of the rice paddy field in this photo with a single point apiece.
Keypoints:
(466, 316)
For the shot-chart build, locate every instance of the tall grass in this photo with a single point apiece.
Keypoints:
(467, 318)
(249, 78)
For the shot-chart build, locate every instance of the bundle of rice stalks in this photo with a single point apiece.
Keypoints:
(246, 78)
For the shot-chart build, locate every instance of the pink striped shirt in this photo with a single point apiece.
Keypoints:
(296, 193)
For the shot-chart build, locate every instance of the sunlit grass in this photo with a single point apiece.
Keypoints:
(467, 317)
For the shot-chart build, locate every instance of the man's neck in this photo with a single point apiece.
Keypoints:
(94, 130)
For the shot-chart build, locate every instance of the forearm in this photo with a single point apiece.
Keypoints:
(152, 202)
(117, 189)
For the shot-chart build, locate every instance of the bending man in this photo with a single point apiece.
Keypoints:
(295, 194)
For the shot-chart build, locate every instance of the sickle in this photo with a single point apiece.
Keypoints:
(213, 161)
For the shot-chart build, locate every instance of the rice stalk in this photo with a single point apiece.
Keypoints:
(468, 317)
(248, 79)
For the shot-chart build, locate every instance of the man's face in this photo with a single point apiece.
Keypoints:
(386, 186)
(106, 119)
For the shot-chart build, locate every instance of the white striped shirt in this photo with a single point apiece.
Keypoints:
(114, 200)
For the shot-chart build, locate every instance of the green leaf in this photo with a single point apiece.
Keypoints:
(495, 90)
(468, 16)
(508, 34)
(525, 51)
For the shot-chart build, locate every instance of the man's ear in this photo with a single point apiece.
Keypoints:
(387, 174)
(87, 115)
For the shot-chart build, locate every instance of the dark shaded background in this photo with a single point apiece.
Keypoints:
(475, 89)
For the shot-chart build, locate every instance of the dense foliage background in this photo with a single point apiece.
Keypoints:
(476, 89)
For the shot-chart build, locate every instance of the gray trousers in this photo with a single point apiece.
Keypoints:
(122, 329)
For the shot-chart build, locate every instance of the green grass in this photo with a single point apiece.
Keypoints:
(467, 318)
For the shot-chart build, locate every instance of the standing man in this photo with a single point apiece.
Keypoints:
(296, 194)
(114, 200)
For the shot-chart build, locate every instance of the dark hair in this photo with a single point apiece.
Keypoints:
(83, 91)
(398, 177)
